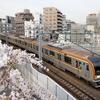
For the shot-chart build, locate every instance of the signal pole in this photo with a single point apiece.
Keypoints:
(40, 48)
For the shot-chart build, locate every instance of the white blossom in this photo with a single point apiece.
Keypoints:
(12, 78)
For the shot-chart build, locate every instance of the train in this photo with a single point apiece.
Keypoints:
(82, 63)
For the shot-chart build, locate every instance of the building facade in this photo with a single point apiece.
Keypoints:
(10, 21)
(7, 25)
(20, 19)
(77, 32)
(30, 29)
(98, 22)
(91, 22)
(52, 20)
(2, 25)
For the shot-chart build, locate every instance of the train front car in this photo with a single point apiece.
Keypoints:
(96, 63)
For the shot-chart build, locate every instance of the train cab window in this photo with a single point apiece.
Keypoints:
(87, 67)
(52, 53)
(67, 59)
(59, 56)
(96, 61)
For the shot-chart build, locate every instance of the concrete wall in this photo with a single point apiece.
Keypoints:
(33, 76)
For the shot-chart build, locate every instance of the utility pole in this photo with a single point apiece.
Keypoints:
(40, 41)
(40, 44)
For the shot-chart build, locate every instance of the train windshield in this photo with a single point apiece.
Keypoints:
(96, 62)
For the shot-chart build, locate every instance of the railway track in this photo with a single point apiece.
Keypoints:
(76, 91)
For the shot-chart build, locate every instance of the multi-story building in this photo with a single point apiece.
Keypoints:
(77, 32)
(98, 22)
(67, 25)
(20, 19)
(2, 25)
(52, 19)
(30, 29)
(7, 25)
(10, 21)
(91, 22)
(64, 24)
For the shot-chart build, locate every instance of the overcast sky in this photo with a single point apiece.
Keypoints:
(76, 10)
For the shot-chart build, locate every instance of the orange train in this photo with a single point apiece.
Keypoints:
(80, 62)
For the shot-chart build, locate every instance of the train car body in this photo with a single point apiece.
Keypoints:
(79, 62)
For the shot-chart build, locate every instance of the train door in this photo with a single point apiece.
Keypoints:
(78, 68)
(87, 71)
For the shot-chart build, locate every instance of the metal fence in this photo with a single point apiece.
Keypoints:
(33, 76)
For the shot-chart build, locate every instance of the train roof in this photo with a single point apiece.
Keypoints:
(71, 51)
(78, 52)
(27, 39)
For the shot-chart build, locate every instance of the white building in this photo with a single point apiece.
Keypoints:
(91, 21)
(30, 29)
(98, 22)
(77, 32)
(91, 28)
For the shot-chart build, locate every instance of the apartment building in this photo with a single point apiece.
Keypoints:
(20, 20)
(91, 22)
(7, 25)
(52, 19)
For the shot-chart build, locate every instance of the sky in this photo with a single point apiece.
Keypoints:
(75, 10)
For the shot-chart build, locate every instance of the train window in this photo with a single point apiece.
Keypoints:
(83, 63)
(67, 59)
(59, 56)
(80, 63)
(52, 53)
(87, 67)
(77, 64)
